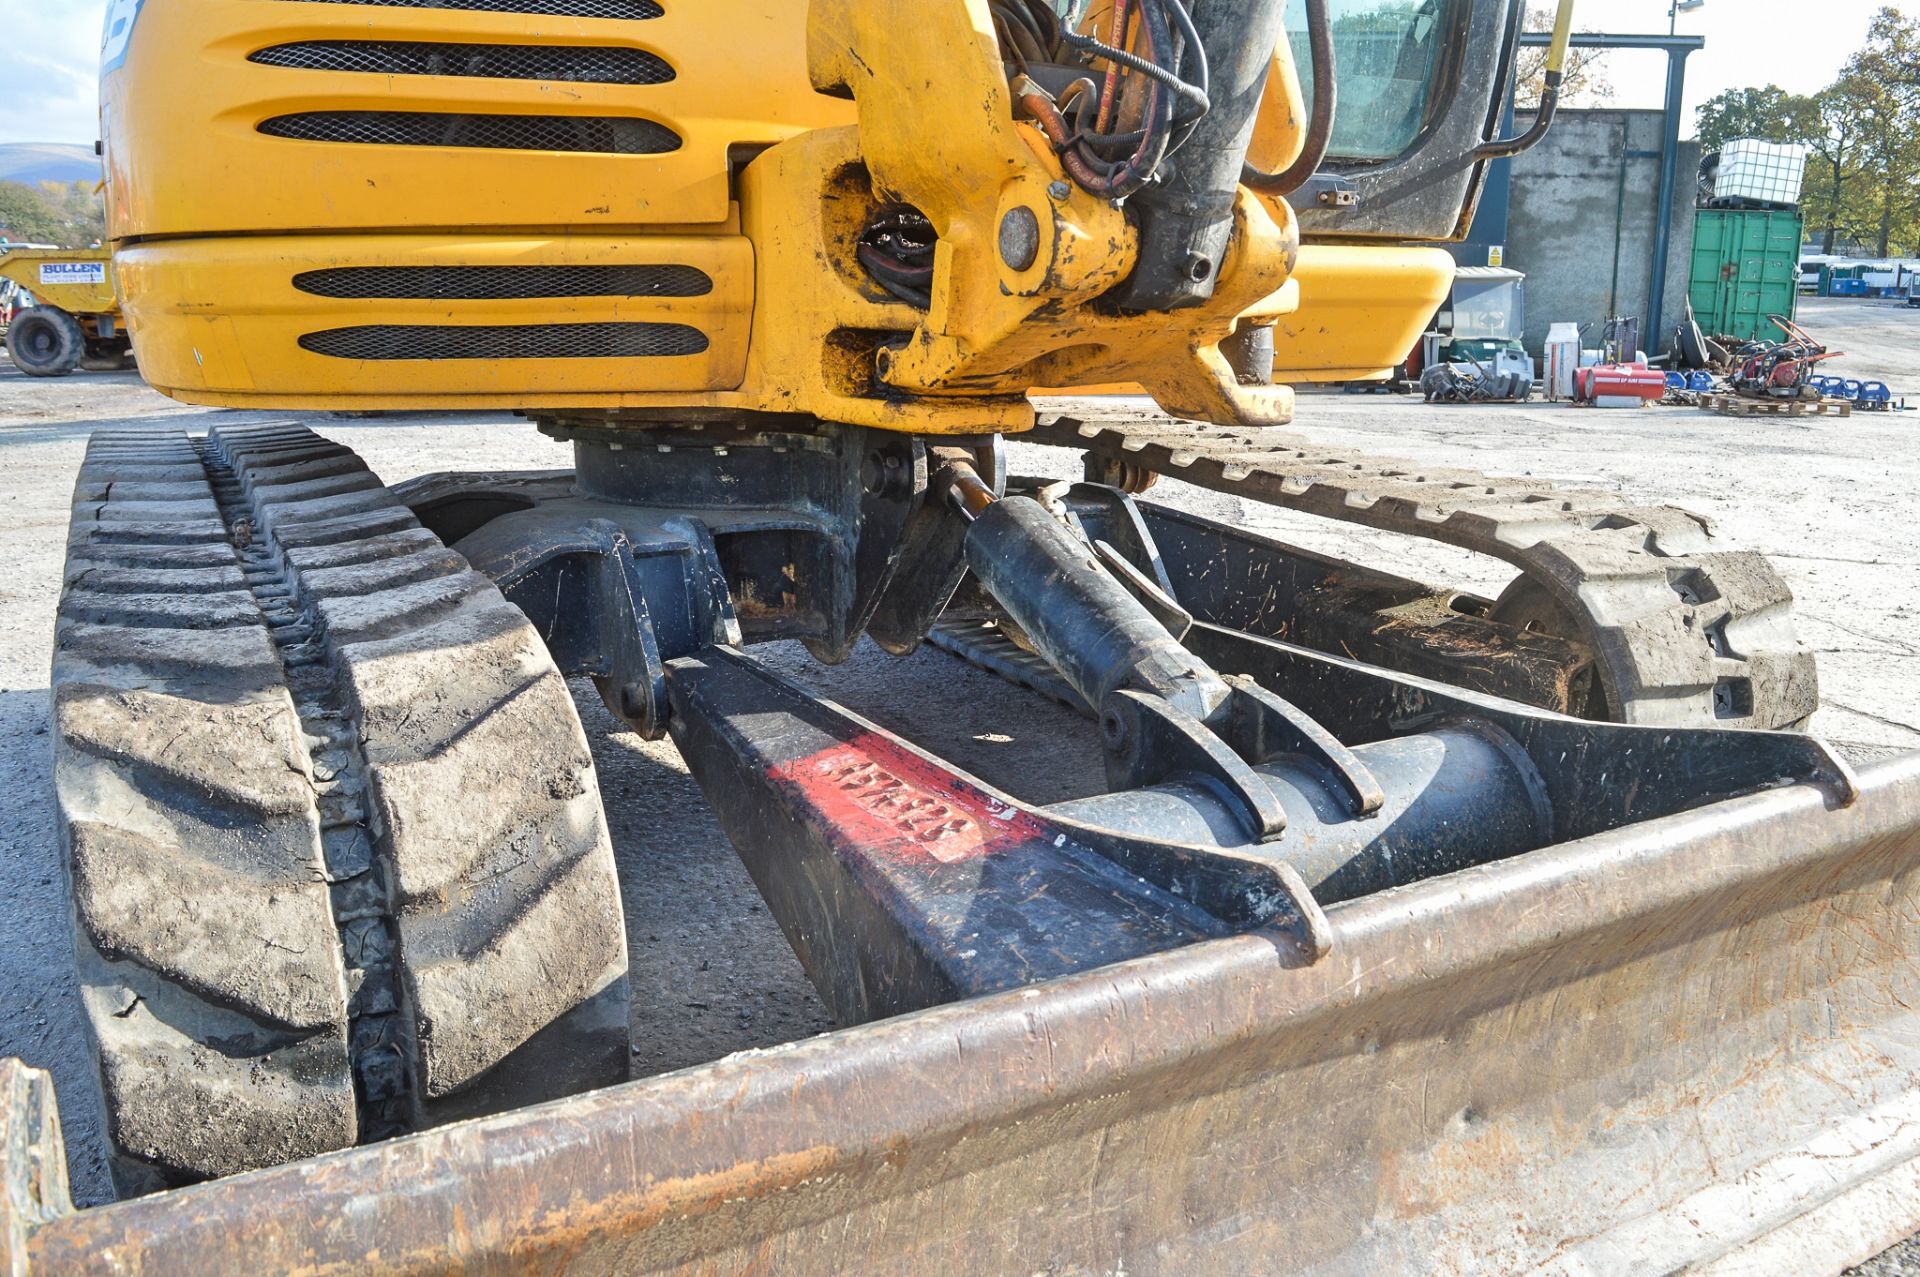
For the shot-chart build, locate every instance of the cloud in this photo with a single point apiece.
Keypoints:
(50, 67)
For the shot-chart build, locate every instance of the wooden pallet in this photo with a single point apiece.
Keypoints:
(1735, 406)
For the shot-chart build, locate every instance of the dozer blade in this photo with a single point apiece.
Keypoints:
(1691, 1042)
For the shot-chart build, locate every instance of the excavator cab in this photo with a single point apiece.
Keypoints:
(1409, 922)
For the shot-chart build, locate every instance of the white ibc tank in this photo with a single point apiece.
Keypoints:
(1767, 172)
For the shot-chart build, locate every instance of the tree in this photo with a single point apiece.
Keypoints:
(25, 213)
(1883, 92)
(1769, 113)
(83, 211)
(1583, 80)
(1862, 184)
(69, 215)
(1833, 164)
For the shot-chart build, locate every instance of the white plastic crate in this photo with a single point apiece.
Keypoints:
(1754, 170)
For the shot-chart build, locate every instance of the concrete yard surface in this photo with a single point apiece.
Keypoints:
(1829, 499)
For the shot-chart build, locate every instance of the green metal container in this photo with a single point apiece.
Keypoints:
(1746, 266)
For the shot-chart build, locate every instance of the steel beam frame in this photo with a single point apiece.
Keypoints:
(1677, 48)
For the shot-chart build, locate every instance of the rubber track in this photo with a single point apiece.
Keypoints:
(1685, 633)
(209, 969)
(356, 874)
(483, 806)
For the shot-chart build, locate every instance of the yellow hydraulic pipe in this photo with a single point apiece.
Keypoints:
(1562, 37)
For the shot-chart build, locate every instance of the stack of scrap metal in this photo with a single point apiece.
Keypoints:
(1474, 382)
(1779, 369)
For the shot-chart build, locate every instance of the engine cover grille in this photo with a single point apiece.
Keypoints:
(502, 283)
(534, 341)
(621, 10)
(481, 61)
(590, 134)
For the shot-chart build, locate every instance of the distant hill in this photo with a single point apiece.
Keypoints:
(33, 162)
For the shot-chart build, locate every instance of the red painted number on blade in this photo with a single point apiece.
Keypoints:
(886, 798)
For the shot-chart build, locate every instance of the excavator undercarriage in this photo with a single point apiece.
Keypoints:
(1414, 931)
(1567, 933)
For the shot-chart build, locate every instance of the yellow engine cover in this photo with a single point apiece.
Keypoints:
(606, 205)
(518, 204)
(305, 116)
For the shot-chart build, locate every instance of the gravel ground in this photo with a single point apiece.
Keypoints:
(1830, 500)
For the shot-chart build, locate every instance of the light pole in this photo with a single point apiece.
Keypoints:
(1677, 8)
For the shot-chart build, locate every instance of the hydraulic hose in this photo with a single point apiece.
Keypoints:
(1110, 88)
(1502, 148)
(1326, 97)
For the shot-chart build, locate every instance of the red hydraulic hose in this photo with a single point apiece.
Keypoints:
(1117, 37)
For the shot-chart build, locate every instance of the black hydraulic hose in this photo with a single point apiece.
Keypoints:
(1549, 93)
(1326, 97)
(1194, 94)
(1501, 148)
(1196, 49)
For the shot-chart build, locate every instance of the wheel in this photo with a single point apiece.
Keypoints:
(1528, 605)
(338, 864)
(1124, 475)
(46, 342)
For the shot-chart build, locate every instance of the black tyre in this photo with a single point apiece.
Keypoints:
(46, 342)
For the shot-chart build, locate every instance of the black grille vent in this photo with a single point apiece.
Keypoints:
(534, 341)
(503, 283)
(477, 61)
(621, 10)
(589, 134)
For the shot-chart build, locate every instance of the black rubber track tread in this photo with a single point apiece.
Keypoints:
(337, 854)
(204, 936)
(1685, 633)
(483, 810)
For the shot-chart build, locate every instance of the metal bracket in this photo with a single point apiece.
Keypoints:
(931, 561)
(1151, 742)
(1326, 191)
(630, 677)
(1261, 726)
(1580, 764)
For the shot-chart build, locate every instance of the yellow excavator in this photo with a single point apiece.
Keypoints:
(1414, 931)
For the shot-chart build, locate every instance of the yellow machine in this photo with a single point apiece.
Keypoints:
(269, 197)
(76, 317)
(1409, 931)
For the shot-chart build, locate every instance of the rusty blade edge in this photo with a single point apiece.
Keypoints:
(567, 1175)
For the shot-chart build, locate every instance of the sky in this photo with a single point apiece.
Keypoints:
(49, 70)
(1797, 45)
(51, 51)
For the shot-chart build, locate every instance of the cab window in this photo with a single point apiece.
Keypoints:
(1388, 54)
